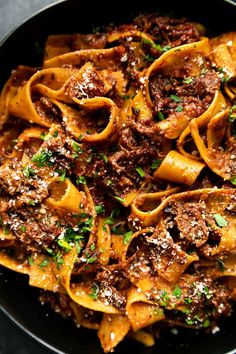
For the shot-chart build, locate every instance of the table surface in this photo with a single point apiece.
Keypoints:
(12, 13)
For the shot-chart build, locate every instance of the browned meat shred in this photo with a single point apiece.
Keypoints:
(194, 97)
(168, 30)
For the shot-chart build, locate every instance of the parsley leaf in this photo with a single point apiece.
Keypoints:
(28, 172)
(176, 98)
(221, 222)
(94, 291)
(177, 292)
(140, 171)
(42, 158)
(127, 236)
(81, 180)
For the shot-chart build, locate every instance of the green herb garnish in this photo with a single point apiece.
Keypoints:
(127, 236)
(44, 263)
(179, 109)
(176, 98)
(42, 158)
(187, 80)
(119, 199)
(177, 292)
(221, 222)
(140, 171)
(94, 291)
(156, 163)
(81, 180)
(28, 172)
(99, 209)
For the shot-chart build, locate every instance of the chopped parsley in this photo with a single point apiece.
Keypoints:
(149, 58)
(140, 171)
(104, 157)
(44, 263)
(5, 230)
(207, 293)
(30, 260)
(179, 109)
(160, 116)
(156, 163)
(155, 46)
(119, 199)
(127, 236)
(220, 221)
(42, 158)
(233, 180)
(28, 172)
(232, 114)
(55, 134)
(177, 292)
(164, 298)
(76, 148)
(187, 80)
(94, 291)
(113, 217)
(99, 209)
(109, 183)
(188, 300)
(58, 259)
(64, 244)
(92, 247)
(91, 259)
(176, 98)
(22, 228)
(81, 180)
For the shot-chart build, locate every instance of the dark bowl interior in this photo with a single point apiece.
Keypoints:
(17, 300)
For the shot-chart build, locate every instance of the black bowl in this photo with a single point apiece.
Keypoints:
(19, 301)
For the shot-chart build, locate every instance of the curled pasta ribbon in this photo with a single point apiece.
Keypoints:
(179, 168)
(30, 136)
(103, 241)
(7, 141)
(229, 268)
(43, 277)
(145, 203)
(11, 263)
(65, 196)
(79, 293)
(140, 311)
(150, 217)
(9, 90)
(112, 330)
(166, 62)
(77, 126)
(218, 105)
(143, 337)
(217, 202)
(22, 104)
(65, 84)
(81, 320)
(212, 153)
(56, 45)
(223, 50)
(102, 58)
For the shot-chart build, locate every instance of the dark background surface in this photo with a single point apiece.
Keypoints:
(12, 13)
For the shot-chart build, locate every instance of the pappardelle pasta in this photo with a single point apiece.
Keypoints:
(118, 174)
